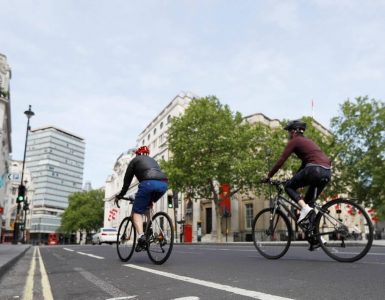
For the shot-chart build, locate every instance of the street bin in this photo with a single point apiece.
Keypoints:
(187, 230)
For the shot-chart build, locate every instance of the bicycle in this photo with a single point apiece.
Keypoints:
(333, 226)
(158, 230)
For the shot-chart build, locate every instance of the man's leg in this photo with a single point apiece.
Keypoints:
(138, 222)
(293, 185)
(142, 200)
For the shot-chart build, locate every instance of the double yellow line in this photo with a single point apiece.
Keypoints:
(46, 287)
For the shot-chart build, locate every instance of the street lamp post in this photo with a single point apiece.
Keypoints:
(21, 196)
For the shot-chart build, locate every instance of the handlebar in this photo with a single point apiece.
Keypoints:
(129, 199)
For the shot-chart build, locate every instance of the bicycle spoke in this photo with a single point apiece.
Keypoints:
(346, 228)
(271, 237)
(161, 239)
(126, 239)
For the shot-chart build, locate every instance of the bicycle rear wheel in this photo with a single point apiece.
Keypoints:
(160, 238)
(126, 239)
(346, 228)
(271, 233)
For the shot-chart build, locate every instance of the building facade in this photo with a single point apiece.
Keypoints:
(155, 137)
(14, 180)
(55, 159)
(5, 137)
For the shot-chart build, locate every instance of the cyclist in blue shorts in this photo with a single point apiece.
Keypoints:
(152, 186)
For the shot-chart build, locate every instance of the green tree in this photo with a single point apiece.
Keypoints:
(360, 132)
(210, 145)
(85, 211)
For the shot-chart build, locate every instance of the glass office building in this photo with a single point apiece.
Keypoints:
(55, 159)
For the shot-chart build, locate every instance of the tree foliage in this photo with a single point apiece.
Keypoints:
(85, 211)
(211, 145)
(360, 132)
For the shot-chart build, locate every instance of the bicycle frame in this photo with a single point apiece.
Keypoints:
(285, 203)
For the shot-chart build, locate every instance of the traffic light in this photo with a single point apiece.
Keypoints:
(21, 194)
(169, 202)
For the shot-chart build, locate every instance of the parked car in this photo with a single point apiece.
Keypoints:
(105, 235)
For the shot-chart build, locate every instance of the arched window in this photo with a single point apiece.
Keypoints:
(169, 119)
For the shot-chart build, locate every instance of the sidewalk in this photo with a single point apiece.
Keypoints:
(9, 254)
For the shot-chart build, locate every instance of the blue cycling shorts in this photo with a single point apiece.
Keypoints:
(148, 191)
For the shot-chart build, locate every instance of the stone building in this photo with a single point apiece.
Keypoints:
(5, 137)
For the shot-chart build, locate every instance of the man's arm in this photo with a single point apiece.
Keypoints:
(127, 179)
(284, 156)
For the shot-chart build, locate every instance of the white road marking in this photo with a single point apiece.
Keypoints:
(46, 287)
(123, 298)
(90, 255)
(105, 286)
(229, 249)
(71, 250)
(28, 289)
(187, 298)
(213, 285)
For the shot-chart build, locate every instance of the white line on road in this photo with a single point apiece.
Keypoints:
(222, 287)
(46, 287)
(90, 255)
(123, 298)
(105, 286)
(28, 289)
(224, 249)
(71, 250)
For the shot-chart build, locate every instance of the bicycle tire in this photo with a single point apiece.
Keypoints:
(346, 228)
(271, 245)
(126, 239)
(161, 238)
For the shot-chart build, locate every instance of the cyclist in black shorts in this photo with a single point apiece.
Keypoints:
(152, 186)
(315, 170)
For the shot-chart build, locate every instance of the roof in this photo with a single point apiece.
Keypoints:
(57, 129)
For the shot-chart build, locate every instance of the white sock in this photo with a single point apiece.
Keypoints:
(140, 235)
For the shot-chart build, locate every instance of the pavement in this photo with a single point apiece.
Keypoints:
(10, 254)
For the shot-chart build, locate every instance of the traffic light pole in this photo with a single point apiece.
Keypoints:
(29, 113)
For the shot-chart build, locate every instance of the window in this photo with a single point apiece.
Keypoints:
(161, 125)
(148, 137)
(169, 119)
(143, 142)
(154, 132)
(248, 215)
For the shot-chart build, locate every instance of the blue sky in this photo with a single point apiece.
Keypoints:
(105, 69)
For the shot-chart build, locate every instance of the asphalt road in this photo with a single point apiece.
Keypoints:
(192, 272)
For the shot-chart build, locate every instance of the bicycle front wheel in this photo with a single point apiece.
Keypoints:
(126, 239)
(346, 230)
(160, 237)
(271, 233)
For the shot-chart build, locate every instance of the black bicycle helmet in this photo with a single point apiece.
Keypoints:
(295, 124)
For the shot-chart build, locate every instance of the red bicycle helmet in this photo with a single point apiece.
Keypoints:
(143, 150)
